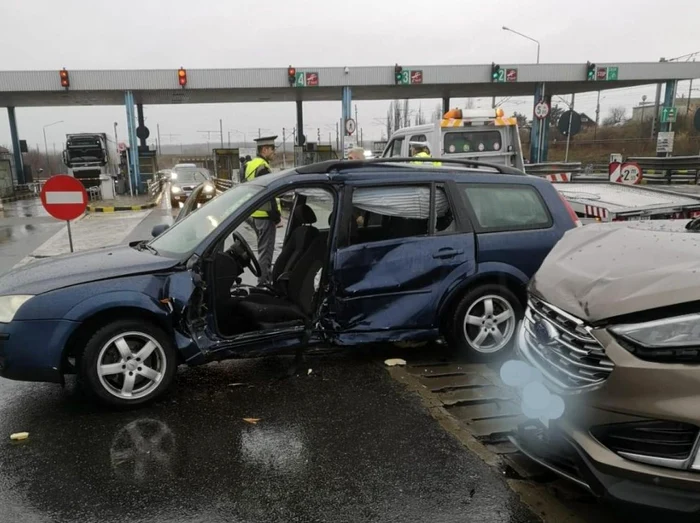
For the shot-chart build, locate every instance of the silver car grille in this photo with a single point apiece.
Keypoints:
(562, 347)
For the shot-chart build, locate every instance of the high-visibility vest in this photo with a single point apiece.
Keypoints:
(251, 169)
(425, 155)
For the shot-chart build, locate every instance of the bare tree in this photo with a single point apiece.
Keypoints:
(420, 117)
(555, 114)
(616, 116)
(522, 119)
(437, 113)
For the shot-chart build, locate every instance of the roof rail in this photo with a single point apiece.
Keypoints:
(332, 165)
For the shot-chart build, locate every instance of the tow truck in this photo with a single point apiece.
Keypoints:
(486, 135)
(615, 202)
(489, 136)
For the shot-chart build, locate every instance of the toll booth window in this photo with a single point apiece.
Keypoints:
(460, 142)
(507, 207)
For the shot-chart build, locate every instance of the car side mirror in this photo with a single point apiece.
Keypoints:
(159, 229)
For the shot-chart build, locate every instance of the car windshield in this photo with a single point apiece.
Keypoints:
(183, 237)
(189, 175)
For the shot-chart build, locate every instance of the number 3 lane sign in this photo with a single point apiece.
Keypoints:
(628, 173)
(541, 110)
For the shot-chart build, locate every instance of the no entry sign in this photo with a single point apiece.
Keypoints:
(64, 197)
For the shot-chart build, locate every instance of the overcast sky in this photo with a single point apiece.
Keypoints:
(95, 34)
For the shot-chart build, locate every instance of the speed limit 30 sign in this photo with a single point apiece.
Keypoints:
(628, 173)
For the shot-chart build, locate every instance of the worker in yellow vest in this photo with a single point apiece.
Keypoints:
(422, 150)
(264, 221)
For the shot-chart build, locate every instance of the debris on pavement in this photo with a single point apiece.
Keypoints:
(252, 421)
(18, 436)
(236, 384)
(309, 372)
(393, 362)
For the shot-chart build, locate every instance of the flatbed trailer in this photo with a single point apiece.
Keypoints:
(609, 202)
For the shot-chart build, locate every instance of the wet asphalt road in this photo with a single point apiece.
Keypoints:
(24, 226)
(344, 443)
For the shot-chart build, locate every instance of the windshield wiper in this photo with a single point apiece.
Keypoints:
(144, 245)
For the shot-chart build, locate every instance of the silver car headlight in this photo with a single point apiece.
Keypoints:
(674, 339)
(209, 188)
(9, 305)
(175, 189)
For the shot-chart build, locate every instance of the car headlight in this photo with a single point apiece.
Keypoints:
(173, 176)
(175, 189)
(9, 305)
(672, 339)
(209, 188)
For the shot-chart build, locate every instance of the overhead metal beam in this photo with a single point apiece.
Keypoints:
(107, 87)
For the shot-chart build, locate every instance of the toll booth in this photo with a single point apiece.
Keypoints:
(148, 164)
(227, 163)
(313, 153)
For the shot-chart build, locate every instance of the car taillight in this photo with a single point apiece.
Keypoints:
(571, 212)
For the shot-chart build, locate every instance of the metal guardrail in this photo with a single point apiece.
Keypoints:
(669, 169)
(222, 184)
(541, 169)
(155, 187)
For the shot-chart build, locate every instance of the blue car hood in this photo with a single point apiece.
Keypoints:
(83, 267)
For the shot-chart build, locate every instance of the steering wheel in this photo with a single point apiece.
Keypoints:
(241, 251)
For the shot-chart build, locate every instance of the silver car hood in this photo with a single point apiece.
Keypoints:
(600, 271)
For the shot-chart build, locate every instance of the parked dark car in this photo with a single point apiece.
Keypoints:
(401, 252)
(183, 180)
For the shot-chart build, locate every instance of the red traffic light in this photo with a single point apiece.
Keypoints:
(182, 77)
(291, 75)
(65, 81)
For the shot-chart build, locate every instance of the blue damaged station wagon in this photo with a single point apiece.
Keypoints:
(374, 251)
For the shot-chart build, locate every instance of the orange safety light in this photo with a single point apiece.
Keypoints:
(65, 81)
(500, 112)
(453, 113)
(182, 77)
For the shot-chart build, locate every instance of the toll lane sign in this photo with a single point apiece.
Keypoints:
(304, 79)
(610, 74)
(411, 77)
(416, 77)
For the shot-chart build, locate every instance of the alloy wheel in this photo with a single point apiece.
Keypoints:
(131, 365)
(489, 324)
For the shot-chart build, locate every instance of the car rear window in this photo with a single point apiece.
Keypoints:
(507, 207)
(460, 142)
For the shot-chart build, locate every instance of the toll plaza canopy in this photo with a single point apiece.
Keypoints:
(164, 86)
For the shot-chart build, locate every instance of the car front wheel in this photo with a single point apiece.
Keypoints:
(128, 362)
(485, 322)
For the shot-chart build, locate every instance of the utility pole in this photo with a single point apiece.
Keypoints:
(362, 140)
(284, 147)
(356, 126)
(568, 134)
(259, 132)
(221, 132)
(597, 117)
(337, 137)
(158, 149)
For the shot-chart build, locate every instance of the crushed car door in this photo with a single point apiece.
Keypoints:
(405, 248)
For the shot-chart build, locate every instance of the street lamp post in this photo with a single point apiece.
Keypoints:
(528, 37)
(46, 146)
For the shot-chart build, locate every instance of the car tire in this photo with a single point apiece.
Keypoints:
(484, 324)
(137, 363)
